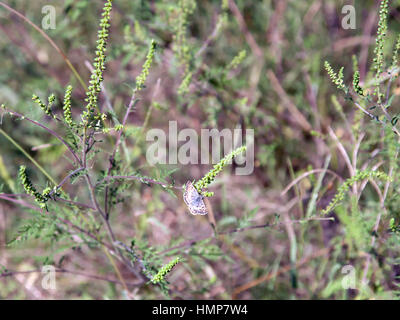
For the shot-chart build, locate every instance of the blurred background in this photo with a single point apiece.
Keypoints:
(279, 88)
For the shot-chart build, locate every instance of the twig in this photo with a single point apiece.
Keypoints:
(75, 203)
(67, 222)
(297, 115)
(305, 174)
(146, 180)
(342, 151)
(112, 157)
(27, 155)
(16, 114)
(382, 198)
(17, 201)
(66, 178)
(243, 27)
(210, 38)
(79, 273)
(354, 158)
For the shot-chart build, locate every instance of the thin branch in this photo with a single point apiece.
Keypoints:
(112, 157)
(305, 174)
(16, 114)
(17, 201)
(383, 210)
(66, 178)
(75, 203)
(28, 156)
(342, 151)
(144, 179)
(67, 222)
(74, 272)
(354, 158)
(297, 115)
(210, 38)
(243, 27)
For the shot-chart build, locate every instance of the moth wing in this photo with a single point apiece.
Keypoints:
(194, 200)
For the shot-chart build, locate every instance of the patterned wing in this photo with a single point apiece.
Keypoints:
(194, 200)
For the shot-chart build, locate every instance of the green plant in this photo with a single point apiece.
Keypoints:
(108, 222)
(60, 217)
(203, 183)
(375, 99)
(81, 142)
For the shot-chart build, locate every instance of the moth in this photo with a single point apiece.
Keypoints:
(194, 200)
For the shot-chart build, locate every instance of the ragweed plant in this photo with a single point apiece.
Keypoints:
(41, 198)
(81, 142)
(88, 117)
(344, 188)
(67, 107)
(141, 79)
(209, 177)
(165, 270)
(46, 108)
(90, 133)
(375, 98)
(337, 78)
(378, 51)
(182, 47)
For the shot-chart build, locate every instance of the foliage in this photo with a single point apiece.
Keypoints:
(78, 193)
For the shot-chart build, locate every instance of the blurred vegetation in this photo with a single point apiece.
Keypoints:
(217, 64)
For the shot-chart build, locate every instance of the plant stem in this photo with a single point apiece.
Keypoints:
(18, 146)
